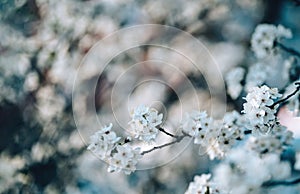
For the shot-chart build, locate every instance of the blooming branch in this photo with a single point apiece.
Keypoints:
(287, 97)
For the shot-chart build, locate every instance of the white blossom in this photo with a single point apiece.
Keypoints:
(103, 142)
(258, 108)
(264, 36)
(256, 76)
(125, 159)
(145, 123)
(278, 170)
(244, 171)
(233, 80)
(196, 123)
(202, 185)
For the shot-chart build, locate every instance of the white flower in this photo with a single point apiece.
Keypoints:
(256, 76)
(257, 108)
(242, 172)
(233, 80)
(278, 170)
(153, 118)
(103, 141)
(145, 122)
(283, 32)
(273, 142)
(264, 36)
(125, 159)
(226, 134)
(264, 144)
(138, 113)
(202, 185)
(196, 123)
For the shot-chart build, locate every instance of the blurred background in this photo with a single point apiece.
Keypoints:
(44, 42)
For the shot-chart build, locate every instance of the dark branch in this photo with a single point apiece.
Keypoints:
(169, 134)
(178, 139)
(289, 50)
(281, 182)
(286, 98)
(246, 132)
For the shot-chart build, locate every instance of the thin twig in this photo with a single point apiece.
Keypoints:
(287, 49)
(169, 134)
(178, 139)
(286, 98)
(281, 182)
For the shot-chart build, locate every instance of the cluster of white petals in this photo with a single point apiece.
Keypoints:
(124, 159)
(145, 123)
(204, 130)
(197, 125)
(233, 80)
(272, 142)
(231, 131)
(257, 75)
(103, 142)
(244, 171)
(264, 37)
(214, 137)
(120, 157)
(202, 185)
(258, 108)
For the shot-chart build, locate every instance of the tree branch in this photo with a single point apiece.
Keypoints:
(169, 134)
(289, 50)
(281, 182)
(286, 98)
(178, 139)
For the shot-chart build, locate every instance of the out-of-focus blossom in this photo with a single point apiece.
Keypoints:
(264, 37)
(233, 81)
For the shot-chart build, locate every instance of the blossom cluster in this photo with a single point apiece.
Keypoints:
(104, 144)
(202, 185)
(255, 163)
(233, 79)
(266, 45)
(264, 37)
(248, 144)
(273, 142)
(244, 171)
(258, 108)
(215, 137)
(145, 123)
(125, 159)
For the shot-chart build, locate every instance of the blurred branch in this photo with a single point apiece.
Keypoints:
(287, 49)
(281, 182)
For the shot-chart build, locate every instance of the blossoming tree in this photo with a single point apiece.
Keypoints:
(248, 145)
